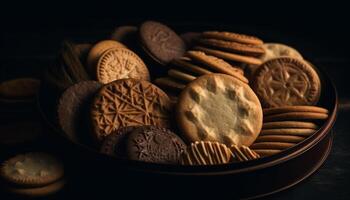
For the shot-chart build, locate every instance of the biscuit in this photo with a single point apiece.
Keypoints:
(289, 124)
(235, 37)
(180, 75)
(216, 64)
(284, 109)
(120, 63)
(160, 42)
(128, 102)
(169, 83)
(243, 153)
(185, 64)
(309, 116)
(267, 152)
(218, 107)
(97, 50)
(288, 131)
(72, 110)
(155, 145)
(228, 56)
(32, 169)
(275, 50)
(21, 88)
(37, 191)
(286, 81)
(280, 138)
(206, 153)
(245, 49)
(271, 145)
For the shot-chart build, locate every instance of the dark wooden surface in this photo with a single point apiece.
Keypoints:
(27, 51)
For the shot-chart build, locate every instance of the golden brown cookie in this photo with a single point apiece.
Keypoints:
(288, 131)
(176, 74)
(309, 116)
(229, 56)
(235, 37)
(97, 50)
(120, 63)
(285, 109)
(275, 50)
(243, 153)
(267, 152)
(206, 153)
(286, 81)
(128, 102)
(271, 145)
(218, 107)
(169, 83)
(280, 138)
(216, 64)
(289, 124)
(185, 64)
(245, 49)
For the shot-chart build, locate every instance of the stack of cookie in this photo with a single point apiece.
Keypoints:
(286, 126)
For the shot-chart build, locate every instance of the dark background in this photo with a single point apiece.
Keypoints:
(30, 35)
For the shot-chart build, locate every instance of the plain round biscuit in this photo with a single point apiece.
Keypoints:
(280, 138)
(285, 109)
(267, 152)
(309, 116)
(271, 145)
(289, 124)
(218, 107)
(288, 131)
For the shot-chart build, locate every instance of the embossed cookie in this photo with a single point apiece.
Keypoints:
(206, 153)
(243, 153)
(129, 102)
(275, 50)
(120, 63)
(235, 37)
(160, 42)
(216, 64)
(286, 81)
(218, 107)
(155, 145)
(97, 50)
(32, 169)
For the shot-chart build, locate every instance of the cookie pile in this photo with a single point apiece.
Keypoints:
(146, 94)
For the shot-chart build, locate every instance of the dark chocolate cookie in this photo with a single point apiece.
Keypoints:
(115, 143)
(155, 145)
(73, 109)
(160, 42)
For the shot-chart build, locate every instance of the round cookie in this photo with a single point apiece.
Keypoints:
(160, 42)
(289, 124)
(267, 152)
(97, 50)
(120, 63)
(216, 64)
(309, 116)
(206, 153)
(280, 138)
(237, 111)
(176, 74)
(72, 109)
(155, 145)
(32, 169)
(285, 109)
(21, 88)
(288, 131)
(286, 81)
(115, 143)
(275, 50)
(272, 145)
(129, 102)
(235, 37)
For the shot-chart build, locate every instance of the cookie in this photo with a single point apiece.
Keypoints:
(190, 38)
(218, 107)
(228, 56)
(115, 143)
(120, 63)
(37, 191)
(206, 153)
(216, 64)
(275, 50)
(128, 102)
(309, 116)
(169, 83)
(160, 42)
(280, 138)
(235, 37)
(16, 133)
(32, 169)
(97, 50)
(245, 49)
(289, 124)
(21, 88)
(285, 109)
(267, 152)
(155, 145)
(272, 145)
(288, 131)
(243, 153)
(176, 74)
(286, 81)
(185, 64)
(72, 110)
